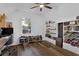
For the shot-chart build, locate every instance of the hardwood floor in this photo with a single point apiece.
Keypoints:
(42, 48)
(39, 49)
(44, 51)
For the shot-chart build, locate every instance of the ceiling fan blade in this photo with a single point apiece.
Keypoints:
(46, 3)
(40, 9)
(34, 7)
(37, 3)
(48, 7)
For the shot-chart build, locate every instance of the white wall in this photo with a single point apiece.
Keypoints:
(36, 22)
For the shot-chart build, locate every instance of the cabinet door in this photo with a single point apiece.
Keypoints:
(59, 40)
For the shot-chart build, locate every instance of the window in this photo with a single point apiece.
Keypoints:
(26, 25)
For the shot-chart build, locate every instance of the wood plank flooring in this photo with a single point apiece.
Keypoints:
(42, 48)
(39, 49)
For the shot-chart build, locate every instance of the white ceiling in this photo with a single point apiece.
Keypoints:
(13, 8)
(59, 11)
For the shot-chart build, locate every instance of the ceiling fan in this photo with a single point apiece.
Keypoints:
(41, 6)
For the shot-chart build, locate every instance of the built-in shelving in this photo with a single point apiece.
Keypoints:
(50, 28)
(71, 33)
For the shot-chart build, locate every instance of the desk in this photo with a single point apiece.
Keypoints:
(3, 40)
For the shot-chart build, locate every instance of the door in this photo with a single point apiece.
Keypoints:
(59, 40)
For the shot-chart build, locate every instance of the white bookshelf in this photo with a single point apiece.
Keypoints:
(70, 28)
(51, 28)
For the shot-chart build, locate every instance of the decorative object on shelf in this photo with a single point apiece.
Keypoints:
(77, 17)
(9, 24)
(76, 28)
(72, 22)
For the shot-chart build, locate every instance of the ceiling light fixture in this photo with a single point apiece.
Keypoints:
(41, 6)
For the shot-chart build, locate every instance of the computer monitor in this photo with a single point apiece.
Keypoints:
(7, 31)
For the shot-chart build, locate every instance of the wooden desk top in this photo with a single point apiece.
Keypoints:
(3, 40)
